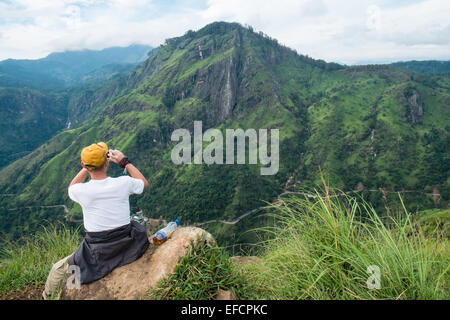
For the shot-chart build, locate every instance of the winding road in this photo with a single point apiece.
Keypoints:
(236, 220)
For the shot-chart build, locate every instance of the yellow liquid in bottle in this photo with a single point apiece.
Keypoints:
(161, 241)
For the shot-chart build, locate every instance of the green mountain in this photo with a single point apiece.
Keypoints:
(428, 67)
(35, 105)
(27, 119)
(69, 68)
(31, 117)
(367, 127)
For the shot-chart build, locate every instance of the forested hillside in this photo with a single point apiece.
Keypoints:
(27, 118)
(367, 127)
(40, 97)
(426, 67)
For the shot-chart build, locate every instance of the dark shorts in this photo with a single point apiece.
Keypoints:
(101, 252)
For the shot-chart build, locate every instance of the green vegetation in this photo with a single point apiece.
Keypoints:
(316, 249)
(26, 263)
(435, 223)
(62, 69)
(426, 67)
(199, 275)
(321, 250)
(35, 102)
(28, 118)
(376, 127)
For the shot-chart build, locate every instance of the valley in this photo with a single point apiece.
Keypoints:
(368, 128)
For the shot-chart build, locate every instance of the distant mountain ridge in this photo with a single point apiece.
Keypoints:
(64, 69)
(428, 67)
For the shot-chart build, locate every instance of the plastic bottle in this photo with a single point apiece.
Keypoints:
(162, 235)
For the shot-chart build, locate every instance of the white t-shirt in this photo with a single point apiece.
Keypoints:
(105, 203)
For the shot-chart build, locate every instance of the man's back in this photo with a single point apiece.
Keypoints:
(111, 239)
(105, 202)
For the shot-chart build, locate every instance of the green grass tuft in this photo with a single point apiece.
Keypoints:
(27, 262)
(199, 275)
(322, 249)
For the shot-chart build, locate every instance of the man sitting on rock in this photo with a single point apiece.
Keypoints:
(111, 240)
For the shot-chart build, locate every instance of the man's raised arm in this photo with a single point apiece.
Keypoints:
(80, 177)
(117, 156)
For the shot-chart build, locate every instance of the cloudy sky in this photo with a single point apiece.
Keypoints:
(345, 31)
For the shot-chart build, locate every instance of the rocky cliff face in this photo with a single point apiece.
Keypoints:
(413, 106)
(205, 68)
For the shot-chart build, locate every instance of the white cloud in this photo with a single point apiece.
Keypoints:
(347, 31)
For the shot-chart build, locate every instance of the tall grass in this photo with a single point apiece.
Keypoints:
(27, 262)
(199, 275)
(322, 250)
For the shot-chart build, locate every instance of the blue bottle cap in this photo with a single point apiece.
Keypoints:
(177, 221)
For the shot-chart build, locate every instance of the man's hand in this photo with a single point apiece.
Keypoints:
(116, 156)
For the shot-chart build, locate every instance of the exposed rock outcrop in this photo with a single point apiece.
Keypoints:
(413, 106)
(218, 84)
(134, 280)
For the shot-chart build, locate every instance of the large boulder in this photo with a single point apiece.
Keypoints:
(134, 280)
